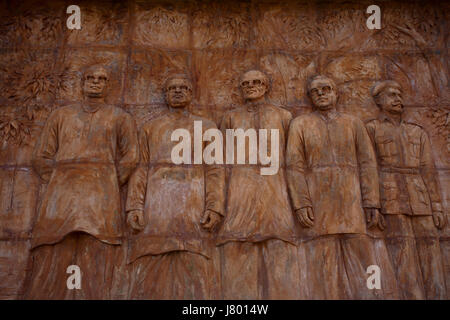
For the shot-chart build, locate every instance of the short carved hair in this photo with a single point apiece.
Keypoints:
(180, 76)
(319, 77)
(383, 85)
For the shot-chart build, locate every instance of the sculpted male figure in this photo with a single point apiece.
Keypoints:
(172, 208)
(85, 152)
(257, 237)
(333, 182)
(410, 199)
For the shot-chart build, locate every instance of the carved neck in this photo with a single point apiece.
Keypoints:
(326, 114)
(253, 105)
(395, 118)
(93, 104)
(183, 111)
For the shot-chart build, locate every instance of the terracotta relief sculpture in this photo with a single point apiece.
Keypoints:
(85, 152)
(257, 238)
(172, 208)
(410, 199)
(333, 183)
(360, 178)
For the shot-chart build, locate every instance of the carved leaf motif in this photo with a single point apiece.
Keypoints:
(15, 126)
(29, 77)
(161, 26)
(101, 23)
(288, 28)
(221, 24)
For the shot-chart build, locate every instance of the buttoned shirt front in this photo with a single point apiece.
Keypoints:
(408, 182)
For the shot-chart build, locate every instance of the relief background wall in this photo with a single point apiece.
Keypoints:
(142, 42)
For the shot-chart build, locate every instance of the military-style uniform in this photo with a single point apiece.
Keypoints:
(409, 194)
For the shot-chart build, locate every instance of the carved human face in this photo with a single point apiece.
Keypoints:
(390, 100)
(253, 85)
(322, 94)
(178, 93)
(95, 81)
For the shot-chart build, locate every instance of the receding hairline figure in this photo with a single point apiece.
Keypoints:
(410, 198)
(333, 183)
(85, 152)
(256, 240)
(173, 210)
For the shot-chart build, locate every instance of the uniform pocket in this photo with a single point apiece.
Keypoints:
(422, 193)
(386, 146)
(414, 144)
(390, 191)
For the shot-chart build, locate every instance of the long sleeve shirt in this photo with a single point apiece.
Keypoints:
(173, 196)
(258, 205)
(331, 167)
(84, 155)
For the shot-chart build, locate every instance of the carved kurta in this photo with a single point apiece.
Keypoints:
(84, 155)
(257, 206)
(332, 168)
(173, 196)
(407, 172)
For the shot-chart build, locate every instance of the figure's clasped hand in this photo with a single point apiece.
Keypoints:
(305, 216)
(135, 220)
(439, 219)
(210, 220)
(374, 218)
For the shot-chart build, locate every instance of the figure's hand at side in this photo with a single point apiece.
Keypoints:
(135, 220)
(210, 220)
(305, 216)
(439, 219)
(374, 218)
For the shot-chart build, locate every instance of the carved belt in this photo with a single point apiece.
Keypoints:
(400, 170)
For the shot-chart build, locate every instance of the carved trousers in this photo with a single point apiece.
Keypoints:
(261, 270)
(336, 267)
(172, 275)
(413, 244)
(47, 277)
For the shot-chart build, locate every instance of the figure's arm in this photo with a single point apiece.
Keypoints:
(368, 175)
(46, 148)
(287, 118)
(296, 165)
(368, 170)
(215, 196)
(137, 186)
(215, 186)
(128, 147)
(429, 176)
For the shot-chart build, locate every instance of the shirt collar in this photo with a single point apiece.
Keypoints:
(330, 115)
(384, 117)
